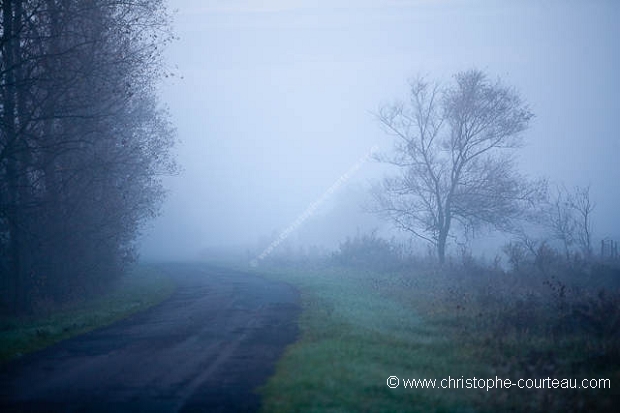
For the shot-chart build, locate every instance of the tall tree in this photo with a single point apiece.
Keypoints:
(83, 141)
(454, 153)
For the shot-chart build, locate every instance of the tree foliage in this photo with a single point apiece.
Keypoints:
(453, 150)
(83, 142)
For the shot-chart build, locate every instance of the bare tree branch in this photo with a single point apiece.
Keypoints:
(451, 148)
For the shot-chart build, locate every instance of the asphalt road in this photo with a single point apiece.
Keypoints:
(205, 349)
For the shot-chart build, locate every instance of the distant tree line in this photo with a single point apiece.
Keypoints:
(83, 142)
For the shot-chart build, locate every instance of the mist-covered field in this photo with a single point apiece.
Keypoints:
(309, 206)
(365, 322)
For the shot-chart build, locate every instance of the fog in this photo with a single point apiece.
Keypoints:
(273, 102)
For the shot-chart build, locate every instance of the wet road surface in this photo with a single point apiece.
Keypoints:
(205, 349)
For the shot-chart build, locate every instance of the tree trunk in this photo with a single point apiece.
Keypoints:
(441, 244)
(11, 15)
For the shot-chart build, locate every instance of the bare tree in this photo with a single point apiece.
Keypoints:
(453, 151)
(584, 206)
(83, 141)
(570, 219)
(562, 220)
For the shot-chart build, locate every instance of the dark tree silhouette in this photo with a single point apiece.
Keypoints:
(453, 149)
(83, 142)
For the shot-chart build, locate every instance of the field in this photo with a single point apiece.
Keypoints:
(359, 327)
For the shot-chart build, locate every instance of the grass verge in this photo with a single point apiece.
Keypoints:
(359, 327)
(352, 340)
(140, 289)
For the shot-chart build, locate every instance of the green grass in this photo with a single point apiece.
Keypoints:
(359, 327)
(142, 288)
(352, 340)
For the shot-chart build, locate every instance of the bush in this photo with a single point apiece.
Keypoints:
(369, 251)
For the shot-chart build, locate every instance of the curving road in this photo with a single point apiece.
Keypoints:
(205, 349)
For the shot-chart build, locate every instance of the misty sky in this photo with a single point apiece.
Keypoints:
(276, 99)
